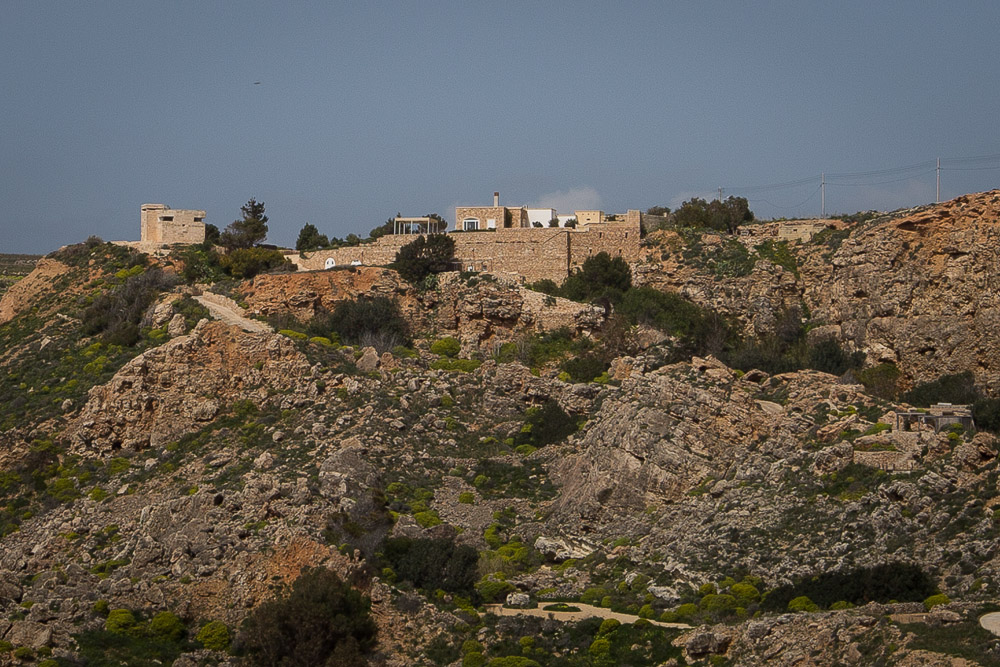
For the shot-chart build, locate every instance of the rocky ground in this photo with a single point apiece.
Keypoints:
(198, 470)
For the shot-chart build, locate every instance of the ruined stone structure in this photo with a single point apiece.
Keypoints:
(527, 253)
(161, 224)
(792, 231)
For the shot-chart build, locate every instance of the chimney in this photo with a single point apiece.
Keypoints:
(496, 198)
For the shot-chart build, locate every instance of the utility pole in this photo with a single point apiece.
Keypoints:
(937, 199)
(720, 193)
(822, 194)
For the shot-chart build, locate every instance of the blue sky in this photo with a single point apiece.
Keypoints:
(367, 109)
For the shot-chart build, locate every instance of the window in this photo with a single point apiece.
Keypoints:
(166, 218)
(470, 224)
(199, 219)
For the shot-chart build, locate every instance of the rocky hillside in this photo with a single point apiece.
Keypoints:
(15, 267)
(914, 288)
(163, 481)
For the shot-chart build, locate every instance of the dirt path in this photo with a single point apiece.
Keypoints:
(226, 310)
(586, 611)
(991, 622)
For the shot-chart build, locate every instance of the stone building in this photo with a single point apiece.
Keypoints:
(525, 253)
(163, 225)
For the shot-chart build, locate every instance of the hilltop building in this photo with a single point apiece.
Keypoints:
(503, 240)
(161, 224)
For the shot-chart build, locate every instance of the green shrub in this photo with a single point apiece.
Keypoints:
(121, 621)
(456, 365)
(687, 611)
(841, 604)
(101, 607)
(467, 498)
(425, 256)
(600, 277)
(214, 636)
(935, 600)
(24, 653)
(321, 620)
(584, 368)
(493, 590)
(881, 380)
(802, 603)
(608, 625)
(512, 661)
(446, 347)
(166, 626)
(880, 583)
(433, 563)
(6, 646)
(600, 647)
(116, 314)
(744, 593)
(427, 519)
(375, 322)
(245, 263)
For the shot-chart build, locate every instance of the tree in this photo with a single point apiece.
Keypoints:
(599, 277)
(310, 238)
(249, 231)
(212, 234)
(321, 621)
(386, 227)
(723, 216)
(425, 255)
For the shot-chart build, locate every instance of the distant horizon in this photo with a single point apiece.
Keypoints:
(291, 246)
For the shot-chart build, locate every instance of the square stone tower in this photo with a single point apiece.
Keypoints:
(161, 224)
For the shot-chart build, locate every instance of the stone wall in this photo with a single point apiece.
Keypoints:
(615, 238)
(527, 253)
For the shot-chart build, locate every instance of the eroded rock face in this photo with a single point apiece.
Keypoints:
(666, 432)
(481, 312)
(168, 390)
(920, 290)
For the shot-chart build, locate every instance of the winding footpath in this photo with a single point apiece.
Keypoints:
(991, 622)
(228, 311)
(586, 611)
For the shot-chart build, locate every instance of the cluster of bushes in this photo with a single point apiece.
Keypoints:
(129, 638)
(321, 620)
(776, 353)
(117, 313)
(902, 582)
(374, 321)
(714, 602)
(433, 564)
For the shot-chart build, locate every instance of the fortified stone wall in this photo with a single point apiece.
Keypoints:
(616, 239)
(527, 253)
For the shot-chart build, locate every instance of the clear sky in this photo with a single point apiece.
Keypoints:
(366, 109)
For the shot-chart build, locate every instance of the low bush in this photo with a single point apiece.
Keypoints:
(446, 347)
(321, 621)
(935, 600)
(433, 563)
(214, 636)
(903, 582)
(375, 322)
(245, 263)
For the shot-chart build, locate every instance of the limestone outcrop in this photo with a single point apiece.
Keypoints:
(162, 393)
